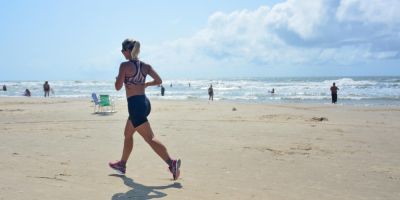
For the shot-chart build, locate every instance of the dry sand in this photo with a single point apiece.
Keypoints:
(58, 149)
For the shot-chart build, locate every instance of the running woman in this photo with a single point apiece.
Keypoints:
(132, 74)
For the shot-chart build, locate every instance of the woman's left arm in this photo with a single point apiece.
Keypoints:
(156, 78)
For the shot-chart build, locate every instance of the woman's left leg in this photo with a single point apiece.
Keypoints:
(128, 141)
(120, 166)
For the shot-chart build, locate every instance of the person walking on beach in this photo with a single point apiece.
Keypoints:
(334, 90)
(46, 88)
(210, 93)
(132, 74)
(162, 90)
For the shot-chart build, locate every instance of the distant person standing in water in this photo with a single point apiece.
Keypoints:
(211, 93)
(334, 90)
(132, 74)
(46, 88)
(162, 90)
(4, 88)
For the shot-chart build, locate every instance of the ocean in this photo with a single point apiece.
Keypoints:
(365, 91)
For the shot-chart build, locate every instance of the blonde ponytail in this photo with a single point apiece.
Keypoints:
(135, 50)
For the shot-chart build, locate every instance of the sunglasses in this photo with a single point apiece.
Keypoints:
(133, 44)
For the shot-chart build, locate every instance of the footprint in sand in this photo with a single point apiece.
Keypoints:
(319, 119)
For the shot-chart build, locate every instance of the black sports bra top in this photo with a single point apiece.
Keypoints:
(139, 77)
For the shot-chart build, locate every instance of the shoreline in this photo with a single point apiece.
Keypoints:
(240, 102)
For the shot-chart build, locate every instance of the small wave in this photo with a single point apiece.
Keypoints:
(306, 97)
(350, 82)
(226, 88)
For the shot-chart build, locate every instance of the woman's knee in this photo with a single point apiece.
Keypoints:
(149, 139)
(128, 135)
(129, 129)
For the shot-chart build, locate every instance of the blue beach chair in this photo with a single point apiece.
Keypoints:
(96, 102)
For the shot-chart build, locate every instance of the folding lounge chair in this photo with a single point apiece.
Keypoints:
(105, 101)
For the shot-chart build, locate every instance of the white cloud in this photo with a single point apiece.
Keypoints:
(301, 17)
(369, 11)
(295, 32)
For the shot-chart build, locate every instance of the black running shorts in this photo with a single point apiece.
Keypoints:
(139, 108)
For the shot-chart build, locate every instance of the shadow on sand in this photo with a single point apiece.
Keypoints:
(140, 191)
(103, 113)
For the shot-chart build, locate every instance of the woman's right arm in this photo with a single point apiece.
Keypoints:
(120, 78)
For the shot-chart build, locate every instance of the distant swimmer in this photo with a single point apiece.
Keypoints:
(334, 90)
(4, 88)
(211, 93)
(272, 91)
(27, 93)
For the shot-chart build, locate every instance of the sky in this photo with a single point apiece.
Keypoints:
(81, 40)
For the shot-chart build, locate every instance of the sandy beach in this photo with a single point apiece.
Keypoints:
(58, 148)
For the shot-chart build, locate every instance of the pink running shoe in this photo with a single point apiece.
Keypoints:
(174, 169)
(118, 167)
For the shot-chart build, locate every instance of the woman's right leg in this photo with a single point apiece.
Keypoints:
(128, 142)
